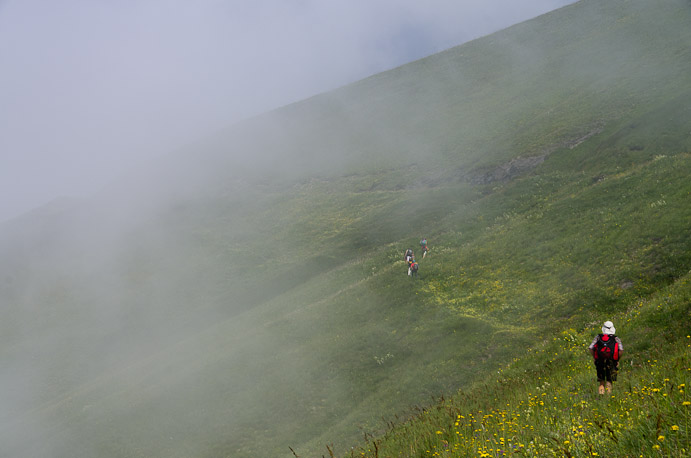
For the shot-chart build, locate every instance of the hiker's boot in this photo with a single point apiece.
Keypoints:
(609, 387)
(601, 389)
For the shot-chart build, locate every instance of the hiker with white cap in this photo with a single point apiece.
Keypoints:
(606, 349)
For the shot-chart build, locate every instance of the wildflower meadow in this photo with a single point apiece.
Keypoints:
(546, 402)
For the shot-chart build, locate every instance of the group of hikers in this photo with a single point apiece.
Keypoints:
(606, 347)
(409, 257)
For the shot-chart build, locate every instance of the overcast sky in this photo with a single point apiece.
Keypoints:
(91, 88)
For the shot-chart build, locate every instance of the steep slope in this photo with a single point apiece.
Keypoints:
(545, 403)
(249, 294)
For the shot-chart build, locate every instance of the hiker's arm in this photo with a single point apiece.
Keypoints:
(621, 347)
(591, 348)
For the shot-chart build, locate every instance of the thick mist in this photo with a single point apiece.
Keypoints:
(100, 307)
(92, 91)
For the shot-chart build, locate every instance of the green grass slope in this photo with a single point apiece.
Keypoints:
(545, 403)
(249, 295)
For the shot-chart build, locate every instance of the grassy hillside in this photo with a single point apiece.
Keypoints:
(249, 294)
(545, 403)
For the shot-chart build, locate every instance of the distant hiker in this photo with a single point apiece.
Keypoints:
(408, 255)
(423, 244)
(606, 349)
(412, 268)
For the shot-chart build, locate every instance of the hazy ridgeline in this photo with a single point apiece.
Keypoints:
(248, 293)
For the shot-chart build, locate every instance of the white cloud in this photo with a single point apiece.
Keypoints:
(89, 88)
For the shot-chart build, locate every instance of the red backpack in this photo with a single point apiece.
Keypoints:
(607, 347)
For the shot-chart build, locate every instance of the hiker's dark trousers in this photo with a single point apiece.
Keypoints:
(606, 370)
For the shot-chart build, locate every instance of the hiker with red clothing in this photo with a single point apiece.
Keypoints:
(412, 268)
(606, 349)
(423, 245)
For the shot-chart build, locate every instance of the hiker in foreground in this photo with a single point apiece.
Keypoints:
(606, 349)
